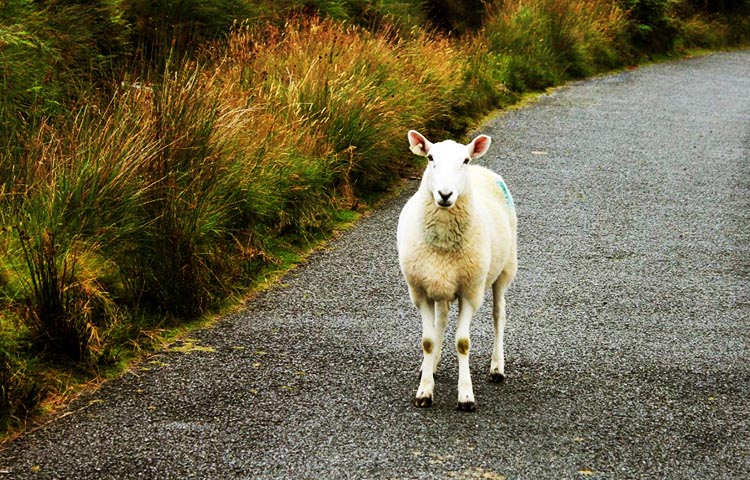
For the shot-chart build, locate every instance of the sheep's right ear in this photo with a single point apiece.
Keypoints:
(479, 146)
(418, 144)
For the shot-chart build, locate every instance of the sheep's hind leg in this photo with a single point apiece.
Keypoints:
(497, 366)
(466, 401)
(427, 378)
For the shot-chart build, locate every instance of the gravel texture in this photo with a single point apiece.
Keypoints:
(627, 342)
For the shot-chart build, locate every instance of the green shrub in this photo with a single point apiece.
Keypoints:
(30, 92)
(457, 15)
(652, 30)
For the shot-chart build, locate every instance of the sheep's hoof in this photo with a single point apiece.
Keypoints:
(466, 407)
(497, 377)
(423, 402)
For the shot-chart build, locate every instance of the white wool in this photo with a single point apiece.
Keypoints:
(456, 238)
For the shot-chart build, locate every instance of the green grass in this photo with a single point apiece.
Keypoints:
(159, 160)
(534, 45)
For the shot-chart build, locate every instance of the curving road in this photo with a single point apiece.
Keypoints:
(628, 341)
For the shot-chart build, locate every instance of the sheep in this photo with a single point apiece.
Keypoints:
(456, 237)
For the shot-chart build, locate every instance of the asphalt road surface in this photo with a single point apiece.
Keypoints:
(628, 335)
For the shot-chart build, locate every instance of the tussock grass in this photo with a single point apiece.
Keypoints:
(173, 195)
(537, 44)
(343, 93)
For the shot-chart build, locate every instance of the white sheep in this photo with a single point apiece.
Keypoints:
(456, 238)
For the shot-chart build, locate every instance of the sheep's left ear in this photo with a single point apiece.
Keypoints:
(479, 146)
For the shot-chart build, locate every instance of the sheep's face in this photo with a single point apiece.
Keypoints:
(448, 165)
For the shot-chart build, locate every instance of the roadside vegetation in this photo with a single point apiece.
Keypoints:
(159, 159)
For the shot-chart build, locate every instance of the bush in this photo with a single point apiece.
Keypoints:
(71, 200)
(652, 30)
(344, 93)
(459, 16)
(712, 24)
(177, 265)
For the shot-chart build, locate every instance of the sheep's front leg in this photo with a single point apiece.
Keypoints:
(497, 365)
(463, 345)
(429, 347)
(441, 320)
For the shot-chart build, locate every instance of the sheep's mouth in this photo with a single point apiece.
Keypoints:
(444, 204)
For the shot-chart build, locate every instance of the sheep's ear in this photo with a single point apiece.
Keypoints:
(479, 146)
(418, 144)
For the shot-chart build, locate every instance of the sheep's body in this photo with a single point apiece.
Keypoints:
(455, 247)
(464, 249)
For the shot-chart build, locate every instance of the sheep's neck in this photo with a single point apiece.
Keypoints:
(444, 229)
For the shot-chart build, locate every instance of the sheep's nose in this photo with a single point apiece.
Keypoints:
(445, 196)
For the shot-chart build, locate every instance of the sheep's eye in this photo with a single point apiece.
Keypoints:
(466, 160)
(429, 157)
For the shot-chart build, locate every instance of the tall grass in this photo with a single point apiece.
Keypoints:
(541, 43)
(173, 195)
(350, 91)
(68, 205)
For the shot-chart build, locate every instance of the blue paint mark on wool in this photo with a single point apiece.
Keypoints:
(506, 192)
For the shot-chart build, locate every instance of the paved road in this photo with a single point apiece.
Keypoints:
(627, 343)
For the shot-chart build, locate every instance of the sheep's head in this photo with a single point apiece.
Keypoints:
(447, 169)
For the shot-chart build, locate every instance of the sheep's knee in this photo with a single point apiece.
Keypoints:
(427, 345)
(463, 345)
